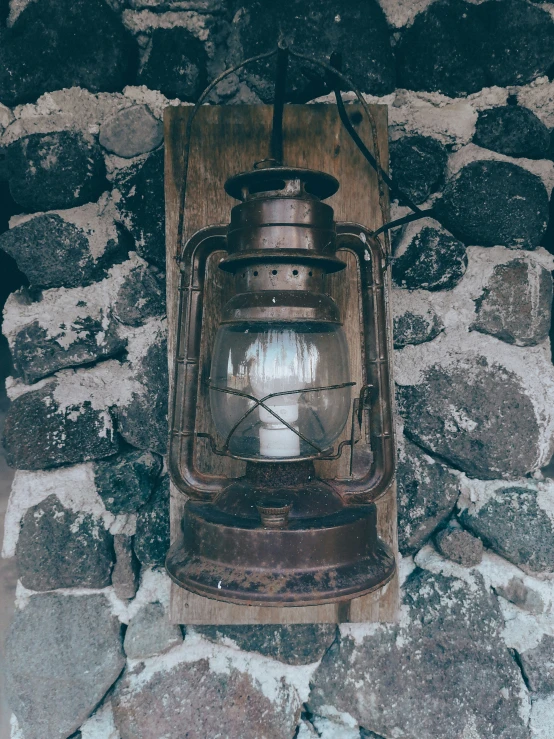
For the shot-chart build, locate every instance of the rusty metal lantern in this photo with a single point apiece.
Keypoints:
(280, 396)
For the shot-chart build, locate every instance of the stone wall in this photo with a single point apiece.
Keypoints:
(91, 653)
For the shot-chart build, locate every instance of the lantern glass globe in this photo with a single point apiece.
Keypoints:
(287, 362)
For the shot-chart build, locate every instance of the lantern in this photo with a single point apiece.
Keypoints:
(281, 397)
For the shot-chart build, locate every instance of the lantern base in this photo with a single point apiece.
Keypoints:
(306, 560)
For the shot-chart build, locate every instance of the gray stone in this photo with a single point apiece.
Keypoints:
(476, 416)
(151, 540)
(491, 203)
(150, 633)
(54, 253)
(176, 64)
(63, 653)
(459, 546)
(58, 548)
(38, 352)
(141, 296)
(458, 48)
(143, 421)
(538, 666)
(320, 28)
(418, 166)
(513, 524)
(415, 321)
(55, 170)
(125, 482)
(427, 494)
(38, 433)
(516, 303)
(514, 131)
(131, 131)
(439, 52)
(519, 42)
(517, 592)
(56, 44)
(126, 570)
(432, 260)
(141, 206)
(297, 644)
(188, 699)
(444, 671)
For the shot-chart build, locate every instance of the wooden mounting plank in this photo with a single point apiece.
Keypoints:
(227, 140)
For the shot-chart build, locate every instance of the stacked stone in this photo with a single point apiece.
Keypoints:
(91, 652)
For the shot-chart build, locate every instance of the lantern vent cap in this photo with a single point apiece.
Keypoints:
(281, 182)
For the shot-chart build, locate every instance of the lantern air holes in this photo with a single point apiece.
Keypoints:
(310, 274)
(266, 185)
(255, 273)
(295, 272)
(273, 271)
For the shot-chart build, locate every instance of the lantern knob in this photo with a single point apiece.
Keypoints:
(274, 513)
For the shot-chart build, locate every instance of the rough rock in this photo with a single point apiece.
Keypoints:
(125, 481)
(516, 522)
(53, 252)
(126, 570)
(415, 321)
(63, 653)
(150, 633)
(297, 644)
(141, 296)
(58, 548)
(519, 42)
(459, 546)
(151, 540)
(319, 28)
(439, 52)
(143, 421)
(65, 43)
(176, 64)
(427, 494)
(55, 170)
(457, 48)
(448, 645)
(517, 592)
(131, 131)
(39, 433)
(475, 415)
(490, 203)
(418, 166)
(538, 666)
(161, 697)
(516, 304)
(81, 334)
(429, 258)
(141, 206)
(512, 130)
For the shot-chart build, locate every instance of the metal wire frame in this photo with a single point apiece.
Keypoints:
(262, 403)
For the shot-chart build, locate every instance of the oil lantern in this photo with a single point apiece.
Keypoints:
(280, 396)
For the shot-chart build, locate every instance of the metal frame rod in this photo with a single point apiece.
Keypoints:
(276, 146)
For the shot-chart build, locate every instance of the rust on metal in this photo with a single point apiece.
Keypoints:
(279, 536)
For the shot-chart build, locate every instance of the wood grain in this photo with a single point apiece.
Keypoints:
(227, 140)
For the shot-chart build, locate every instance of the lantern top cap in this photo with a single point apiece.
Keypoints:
(274, 179)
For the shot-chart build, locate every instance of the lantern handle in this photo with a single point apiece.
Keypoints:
(181, 459)
(374, 274)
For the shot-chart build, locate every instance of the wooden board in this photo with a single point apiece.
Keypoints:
(227, 140)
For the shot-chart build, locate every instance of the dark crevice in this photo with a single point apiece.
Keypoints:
(434, 455)
(308, 717)
(517, 659)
